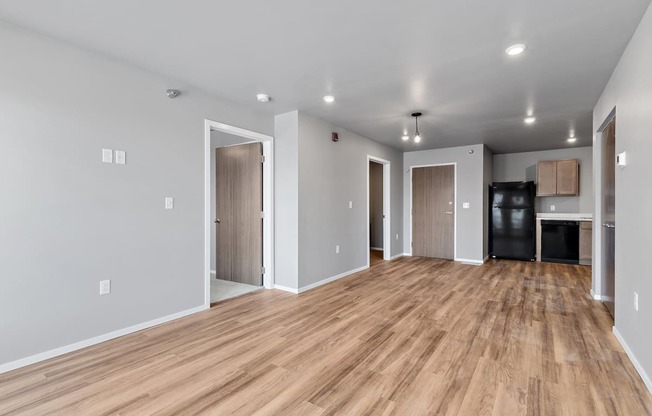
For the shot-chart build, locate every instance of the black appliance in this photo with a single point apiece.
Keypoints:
(560, 241)
(512, 221)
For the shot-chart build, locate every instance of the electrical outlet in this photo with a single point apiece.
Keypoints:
(105, 287)
(466, 205)
(337, 249)
(552, 208)
(169, 202)
(636, 301)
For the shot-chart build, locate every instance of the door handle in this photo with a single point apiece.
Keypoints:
(608, 226)
(217, 221)
(449, 212)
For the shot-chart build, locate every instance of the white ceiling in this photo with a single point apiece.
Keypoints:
(382, 59)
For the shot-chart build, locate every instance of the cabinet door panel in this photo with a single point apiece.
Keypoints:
(547, 178)
(567, 177)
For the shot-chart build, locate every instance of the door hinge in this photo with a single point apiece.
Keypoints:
(262, 158)
(262, 214)
(262, 270)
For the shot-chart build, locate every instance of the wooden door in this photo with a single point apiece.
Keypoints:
(546, 178)
(567, 177)
(609, 216)
(239, 227)
(433, 216)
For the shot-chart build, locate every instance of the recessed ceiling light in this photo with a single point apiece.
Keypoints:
(529, 120)
(405, 138)
(571, 139)
(329, 98)
(514, 50)
(263, 98)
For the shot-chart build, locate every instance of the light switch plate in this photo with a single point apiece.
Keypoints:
(466, 205)
(105, 287)
(337, 249)
(552, 208)
(621, 159)
(120, 157)
(107, 155)
(169, 202)
(350, 204)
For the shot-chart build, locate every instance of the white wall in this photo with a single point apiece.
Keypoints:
(315, 180)
(286, 200)
(376, 204)
(470, 182)
(330, 175)
(630, 92)
(523, 167)
(69, 221)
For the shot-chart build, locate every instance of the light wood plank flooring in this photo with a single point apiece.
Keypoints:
(412, 336)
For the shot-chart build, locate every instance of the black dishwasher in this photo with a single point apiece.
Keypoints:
(560, 241)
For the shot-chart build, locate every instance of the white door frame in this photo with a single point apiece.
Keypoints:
(596, 284)
(454, 164)
(268, 201)
(387, 220)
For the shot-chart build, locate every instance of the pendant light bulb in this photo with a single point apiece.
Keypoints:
(417, 135)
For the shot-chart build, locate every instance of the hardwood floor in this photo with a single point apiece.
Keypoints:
(412, 336)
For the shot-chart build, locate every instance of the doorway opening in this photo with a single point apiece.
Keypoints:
(433, 223)
(378, 210)
(238, 212)
(608, 201)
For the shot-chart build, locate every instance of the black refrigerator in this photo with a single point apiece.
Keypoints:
(512, 221)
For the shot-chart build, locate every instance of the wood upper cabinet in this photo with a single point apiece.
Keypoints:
(558, 177)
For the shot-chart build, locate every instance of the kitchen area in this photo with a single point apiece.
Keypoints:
(540, 206)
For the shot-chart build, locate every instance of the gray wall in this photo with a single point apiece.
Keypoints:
(469, 179)
(630, 92)
(69, 221)
(330, 175)
(487, 179)
(218, 139)
(376, 204)
(286, 200)
(523, 167)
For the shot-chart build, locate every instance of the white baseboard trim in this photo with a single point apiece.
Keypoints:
(332, 278)
(632, 357)
(95, 340)
(474, 262)
(599, 297)
(377, 248)
(287, 289)
(399, 255)
(485, 259)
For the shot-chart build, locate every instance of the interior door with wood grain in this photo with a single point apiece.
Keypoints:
(239, 229)
(609, 217)
(433, 215)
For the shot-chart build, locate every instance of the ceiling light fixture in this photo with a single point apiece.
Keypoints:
(571, 139)
(417, 136)
(514, 50)
(529, 120)
(405, 137)
(263, 98)
(329, 98)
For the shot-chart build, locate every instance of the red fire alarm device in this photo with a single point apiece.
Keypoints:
(335, 138)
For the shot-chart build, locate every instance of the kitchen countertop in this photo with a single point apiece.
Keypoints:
(562, 216)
